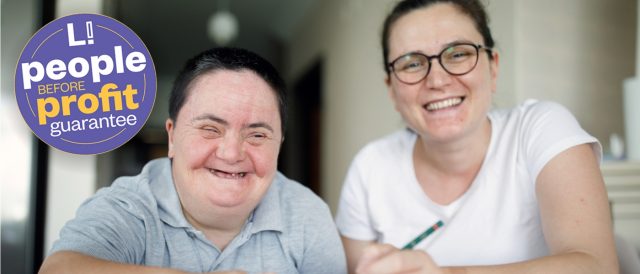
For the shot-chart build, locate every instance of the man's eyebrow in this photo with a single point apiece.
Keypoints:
(261, 125)
(210, 117)
(224, 122)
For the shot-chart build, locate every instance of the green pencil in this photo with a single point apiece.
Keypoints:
(424, 235)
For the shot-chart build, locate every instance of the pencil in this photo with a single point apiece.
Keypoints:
(424, 235)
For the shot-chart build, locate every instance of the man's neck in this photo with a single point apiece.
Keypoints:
(217, 228)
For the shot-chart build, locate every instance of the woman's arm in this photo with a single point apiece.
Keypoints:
(575, 218)
(354, 250)
(575, 213)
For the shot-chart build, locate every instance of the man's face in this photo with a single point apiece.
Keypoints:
(225, 143)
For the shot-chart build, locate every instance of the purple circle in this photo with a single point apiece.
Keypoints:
(85, 84)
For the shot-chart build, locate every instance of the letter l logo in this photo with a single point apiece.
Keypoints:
(72, 40)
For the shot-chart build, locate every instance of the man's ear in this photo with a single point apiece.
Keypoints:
(169, 126)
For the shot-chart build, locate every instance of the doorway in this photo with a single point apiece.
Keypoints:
(300, 157)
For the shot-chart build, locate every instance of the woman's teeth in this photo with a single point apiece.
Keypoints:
(444, 103)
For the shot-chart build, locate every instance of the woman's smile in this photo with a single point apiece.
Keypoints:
(443, 104)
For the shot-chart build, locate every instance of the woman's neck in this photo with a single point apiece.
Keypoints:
(445, 170)
(455, 157)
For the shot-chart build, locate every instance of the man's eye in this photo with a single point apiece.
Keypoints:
(258, 136)
(209, 131)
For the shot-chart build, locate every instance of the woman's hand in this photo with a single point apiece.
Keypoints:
(384, 258)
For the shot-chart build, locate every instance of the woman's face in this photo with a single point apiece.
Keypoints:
(441, 107)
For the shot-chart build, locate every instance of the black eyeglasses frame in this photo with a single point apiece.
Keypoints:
(438, 56)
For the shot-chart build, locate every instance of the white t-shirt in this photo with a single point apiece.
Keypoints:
(495, 221)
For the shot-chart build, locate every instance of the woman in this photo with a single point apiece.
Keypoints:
(509, 191)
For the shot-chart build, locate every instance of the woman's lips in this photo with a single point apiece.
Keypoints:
(442, 104)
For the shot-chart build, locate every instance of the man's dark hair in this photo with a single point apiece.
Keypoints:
(225, 58)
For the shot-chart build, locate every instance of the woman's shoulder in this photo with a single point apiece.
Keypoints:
(530, 107)
(394, 142)
(532, 111)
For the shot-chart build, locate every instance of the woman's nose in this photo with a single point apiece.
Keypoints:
(437, 76)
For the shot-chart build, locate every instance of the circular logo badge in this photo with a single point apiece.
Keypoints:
(85, 84)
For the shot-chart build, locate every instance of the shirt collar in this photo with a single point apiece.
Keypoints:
(169, 207)
(266, 216)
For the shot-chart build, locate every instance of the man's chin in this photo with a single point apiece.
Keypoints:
(232, 202)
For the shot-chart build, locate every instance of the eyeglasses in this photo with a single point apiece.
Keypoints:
(456, 59)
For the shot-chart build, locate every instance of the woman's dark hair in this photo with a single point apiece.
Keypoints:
(472, 8)
(225, 58)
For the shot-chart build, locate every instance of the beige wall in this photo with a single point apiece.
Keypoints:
(576, 52)
(502, 15)
(356, 107)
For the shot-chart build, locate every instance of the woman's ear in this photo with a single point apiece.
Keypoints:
(494, 65)
(390, 92)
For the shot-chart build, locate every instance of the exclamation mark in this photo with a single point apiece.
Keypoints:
(90, 32)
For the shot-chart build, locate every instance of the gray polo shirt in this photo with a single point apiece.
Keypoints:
(138, 220)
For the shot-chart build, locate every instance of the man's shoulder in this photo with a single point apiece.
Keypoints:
(302, 211)
(134, 193)
(151, 173)
(299, 206)
(296, 195)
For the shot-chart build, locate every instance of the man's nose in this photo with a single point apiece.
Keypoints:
(231, 149)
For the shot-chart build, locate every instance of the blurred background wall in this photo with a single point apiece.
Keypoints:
(576, 52)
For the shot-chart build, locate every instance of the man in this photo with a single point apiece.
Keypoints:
(217, 203)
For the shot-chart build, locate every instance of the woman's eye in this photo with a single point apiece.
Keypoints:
(413, 65)
(459, 54)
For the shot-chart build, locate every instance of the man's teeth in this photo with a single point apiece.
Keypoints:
(444, 103)
(236, 175)
(223, 174)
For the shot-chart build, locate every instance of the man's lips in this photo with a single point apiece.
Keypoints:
(226, 174)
